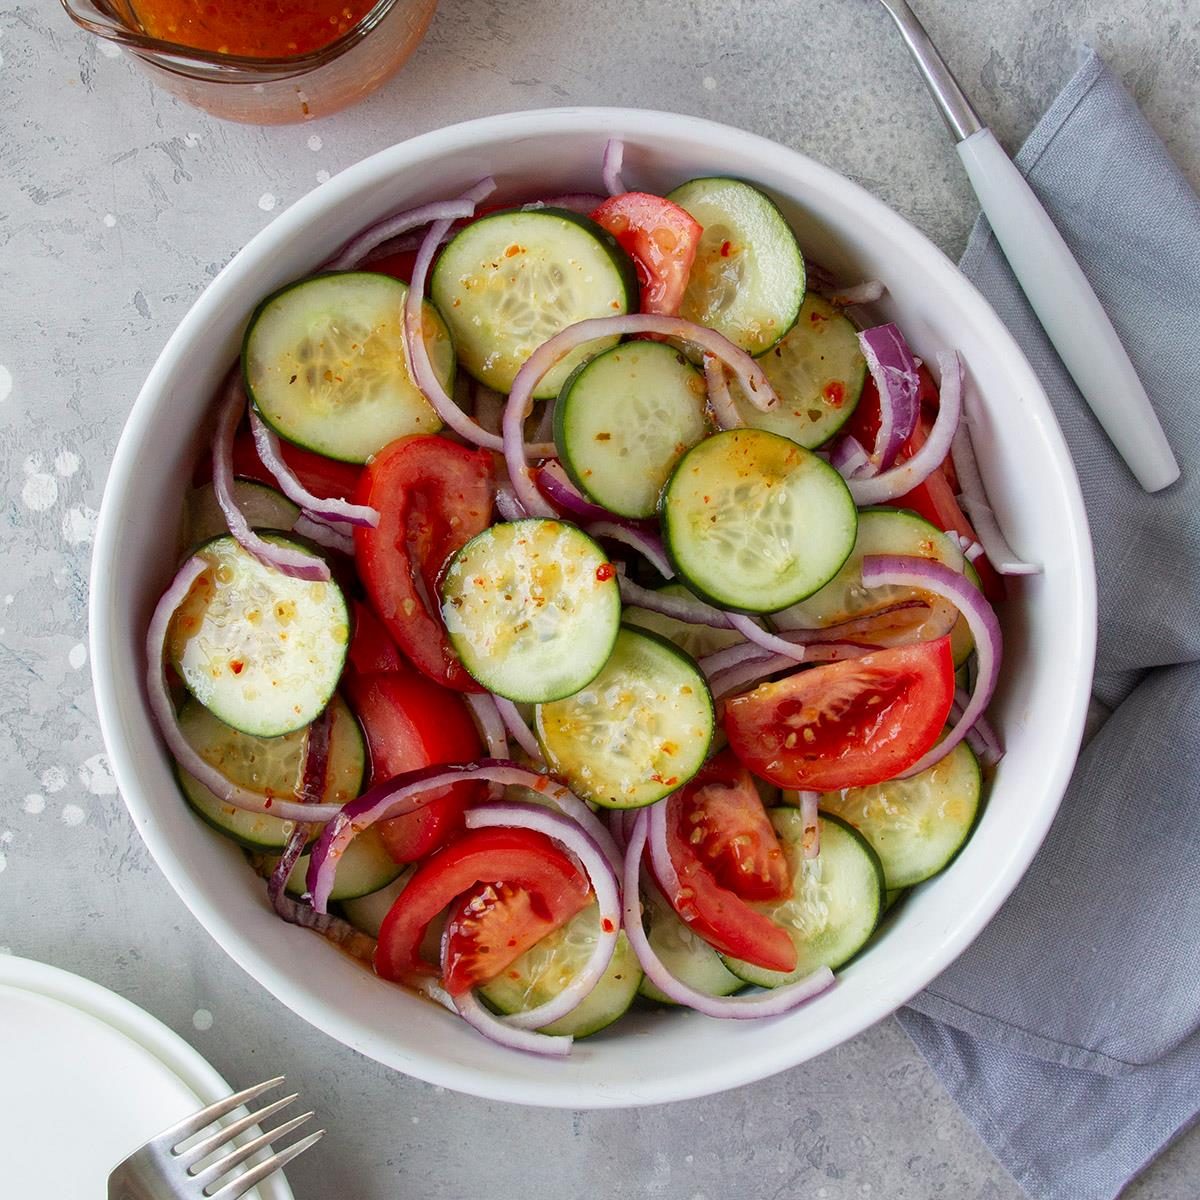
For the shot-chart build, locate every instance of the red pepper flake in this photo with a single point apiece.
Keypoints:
(726, 247)
(835, 393)
(605, 571)
(607, 925)
(237, 666)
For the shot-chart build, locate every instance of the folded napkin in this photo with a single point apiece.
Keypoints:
(1069, 1032)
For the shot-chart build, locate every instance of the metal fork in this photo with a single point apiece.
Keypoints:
(162, 1171)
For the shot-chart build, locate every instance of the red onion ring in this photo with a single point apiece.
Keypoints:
(867, 292)
(720, 402)
(982, 738)
(491, 729)
(903, 478)
(549, 353)
(324, 534)
(648, 545)
(894, 371)
(660, 852)
(517, 729)
(810, 814)
(497, 1030)
(849, 458)
(286, 559)
(680, 608)
(610, 166)
(584, 203)
(355, 251)
(603, 879)
(554, 482)
(879, 570)
(266, 442)
(762, 1004)
(753, 632)
(163, 712)
(507, 504)
(736, 678)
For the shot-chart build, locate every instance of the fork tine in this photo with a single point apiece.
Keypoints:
(239, 1155)
(206, 1116)
(243, 1183)
(227, 1133)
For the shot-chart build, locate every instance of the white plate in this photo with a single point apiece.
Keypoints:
(86, 1078)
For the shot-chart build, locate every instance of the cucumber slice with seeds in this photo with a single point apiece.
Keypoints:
(325, 365)
(748, 278)
(260, 650)
(269, 765)
(817, 371)
(509, 282)
(916, 825)
(639, 730)
(545, 969)
(836, 900)
(624, 419)
(753, 521)
(366, 913)
(532, 607)
(684, 953)
(263, 506)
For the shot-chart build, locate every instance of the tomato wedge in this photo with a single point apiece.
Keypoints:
(433, 496)
(410, 723)
(520, 858)
(719, 915)
(371, 647)
(662, 240)
(845, 724)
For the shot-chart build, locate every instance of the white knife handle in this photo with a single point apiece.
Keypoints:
(1068, 309)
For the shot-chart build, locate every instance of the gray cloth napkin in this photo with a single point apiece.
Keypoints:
(1069, 1032)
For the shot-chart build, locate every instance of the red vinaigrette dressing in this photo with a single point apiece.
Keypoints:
(251, 28)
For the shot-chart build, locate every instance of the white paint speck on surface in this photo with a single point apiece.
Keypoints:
(40, 491)
(6, 838)
(77, 656)
(79, 525)
(3, 861)
(416, 1120)
(34, 804)
(66, 463)
(322, 176)
(688, 1158)
(202, 1019)
(710, 84)
(97, 777)
(109, 50)
(109, 220)
(9, 598)
(54, 779)
(314, 142)
(5, 383)
(267, 202)
(191, 139)
(72, 814)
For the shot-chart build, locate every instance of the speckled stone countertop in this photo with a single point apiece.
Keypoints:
(118, 204)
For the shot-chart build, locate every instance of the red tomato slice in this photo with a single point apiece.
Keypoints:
(720, 916)
(520, 858)
(662, 240)
(845, 724)
(494, 924)
(433, 496)
(322, 476)
(371, 647)
(410, 723)
(723, 823)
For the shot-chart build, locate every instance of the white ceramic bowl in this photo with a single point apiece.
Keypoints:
(1049, 625)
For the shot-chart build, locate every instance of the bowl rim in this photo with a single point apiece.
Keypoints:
(703, 1078)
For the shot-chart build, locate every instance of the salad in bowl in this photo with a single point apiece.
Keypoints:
(586, 603)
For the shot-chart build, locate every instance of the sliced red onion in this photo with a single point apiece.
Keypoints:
(507, 504)
(656, 841)
(181, 749)
(679, 608)
(324, 534)
(761, 1004)
(975, 504)
(810, 814)
(341, 933)
(553, 480)
(867, 292)
(287, 559)
(879, 570)
(406, 243)
(648, 545)
(891, 364)
(610, 167)
(517, 729)
(603, 879)
(584, 203)
(736, 678)
(752, 631)
(849, 458)
(982, 738)
(266, 442)
(903, 478)
(491, 729)
(520, 399)
(312, 788)
(361, 245)
(484, 1021)
(724, 411)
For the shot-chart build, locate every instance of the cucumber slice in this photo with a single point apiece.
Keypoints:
(624, 419)
(817, 371)
(639, 730)
(260, 650)
(881, 531)
(545, 969)
(512, 280)
(363, 869)
(325, 365)
(264, 507)
(748, 278)
(366, 913)
(533, 608)
(916, 825)
(836, 900)
(753, 521)
(268, 765)
(684, 953)
(694, 640)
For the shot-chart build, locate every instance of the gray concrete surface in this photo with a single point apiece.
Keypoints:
(117, 205)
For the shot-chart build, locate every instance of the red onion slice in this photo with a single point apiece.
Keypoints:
(520, 399)
(903, 478)
(355, 251)
(660, 851)
(849, 458)
(810, 814)
(324, 534)
(761, 1004)
(602, 877)
(680, 608)
(648, 545)
(753, 632)
(491, 729)
(507, 504)
(894, 371)
(584, 203)
(287, 559)
(610, 167)
(266, 442)
(517, 729)
(736, 678)
(975, 504)
(879, 570)
(867, 292)
(497, 1030)
(724, 411)
(163, 712)
(982, 738)
(553, 480)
